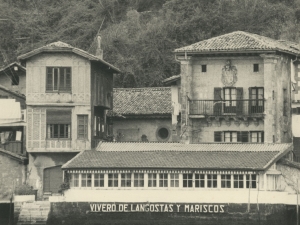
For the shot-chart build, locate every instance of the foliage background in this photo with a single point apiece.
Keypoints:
(139, 36)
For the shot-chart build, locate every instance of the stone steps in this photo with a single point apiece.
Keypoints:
(34, 213)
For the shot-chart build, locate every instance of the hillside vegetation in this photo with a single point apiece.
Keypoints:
(139, 36)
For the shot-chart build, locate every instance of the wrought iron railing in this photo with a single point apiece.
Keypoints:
(226, 107)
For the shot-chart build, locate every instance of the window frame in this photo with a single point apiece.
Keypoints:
(230, 136)
(152, 180)
(174, 180)
(100, 180)
(163, 180)
(212, 180)
(259, 135)
(126, 179)
(239, 182)
(198, 180)
(56, 79)
(226, 180)
(114, 180)
(187, 180)
(85, 180)
(138, 180)
(85, 119)
(250, 180)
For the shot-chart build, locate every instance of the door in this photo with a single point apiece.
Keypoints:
(230, 100)
(53, 178)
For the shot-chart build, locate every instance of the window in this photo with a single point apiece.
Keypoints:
(163, 180)
(243, 136)
(211, 180)
(226, 181)
(126, 180)
(15, 79)
(230, 136)
(75, 180)
(203, 68)
(162, 134)
(112, 180)
(58, 123)
(257, 136)
(251, 181)
(256, 96)
(152, 180)
(238, 181)
(188, 180)
(230, 100)
(58, 79)
(199, 180)
(86, 180)
(82, 126)
(98, 180)
(294, 110)
(174, 180)
(139, 180)
(255, 67)
(218, 136)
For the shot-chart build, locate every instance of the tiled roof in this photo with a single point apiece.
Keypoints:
(11, 65)
(241, 41)
(142, 101)
(171, 79)
(12, 92)
(64, 47)
(175, 155)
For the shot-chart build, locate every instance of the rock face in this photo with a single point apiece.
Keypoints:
(33, 213)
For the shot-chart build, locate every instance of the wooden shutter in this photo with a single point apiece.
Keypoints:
(239, 136)
(49, 79)
(59, 116)
(218, 136)
(262, 137)
(239, 98)
(217, 101)
(250, 102)
(245, 136)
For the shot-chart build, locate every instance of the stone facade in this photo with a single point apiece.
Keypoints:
(273, 76)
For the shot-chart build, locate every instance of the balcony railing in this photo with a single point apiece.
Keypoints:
(226, 107)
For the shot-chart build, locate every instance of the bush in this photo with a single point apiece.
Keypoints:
(64, 186)
(24, 189)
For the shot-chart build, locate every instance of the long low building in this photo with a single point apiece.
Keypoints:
(171, 180)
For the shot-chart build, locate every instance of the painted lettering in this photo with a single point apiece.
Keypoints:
(131, 208)
(221, 208)
(161, 207)
(103, 207)
(201, 208)
(192, 208)
(147, 208)
(156, 208)
(99, 207)
(142, 208)
(113, 207)
(151, 208)
(125, 207)
(121, 208)
(196, 208)
(216, 208)
(186, 208)
(178, 206)
(205, 208)
(93, 206)
(108, 207)
(171, 207)
(166, 208)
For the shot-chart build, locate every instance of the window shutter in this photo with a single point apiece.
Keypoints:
(262, 137)
(217, 101)
(218, 136)
(250, 102)
(245, 136)
(59, 116)
(49, 79)
(239, 136)
(239, 98)
(294, 110)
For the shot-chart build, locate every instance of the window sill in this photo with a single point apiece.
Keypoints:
(58, 92)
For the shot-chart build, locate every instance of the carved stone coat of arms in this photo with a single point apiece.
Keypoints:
(229, 74)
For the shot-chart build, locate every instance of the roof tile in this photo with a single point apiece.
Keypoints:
(142, 101)
(241, 41)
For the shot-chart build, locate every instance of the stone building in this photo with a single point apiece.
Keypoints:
(233, 165)
(144, 114)
(68, 93)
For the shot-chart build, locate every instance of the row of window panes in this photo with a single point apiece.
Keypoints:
(239, 136)
(189, 180)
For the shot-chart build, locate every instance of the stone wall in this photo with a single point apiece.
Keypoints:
(13, 173)
(236, 214)
(133, 129)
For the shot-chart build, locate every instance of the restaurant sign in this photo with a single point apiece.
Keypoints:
(157, 207)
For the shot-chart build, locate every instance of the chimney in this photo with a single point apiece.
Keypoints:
(99, 51)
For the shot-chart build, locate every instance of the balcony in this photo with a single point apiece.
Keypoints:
(13, 146)
(245, 107)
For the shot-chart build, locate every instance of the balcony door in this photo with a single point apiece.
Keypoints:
(256, 96)
(229, 100)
